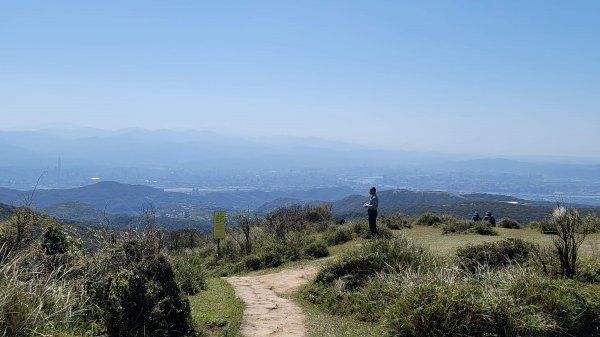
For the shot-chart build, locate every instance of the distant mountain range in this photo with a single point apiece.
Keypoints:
(122, 202)
(94, 201)
(272, 168)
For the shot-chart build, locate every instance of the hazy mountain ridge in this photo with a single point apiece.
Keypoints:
(206, 160)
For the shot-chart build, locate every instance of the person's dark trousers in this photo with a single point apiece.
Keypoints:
(373, 222)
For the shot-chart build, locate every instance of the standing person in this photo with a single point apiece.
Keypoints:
(371, 207)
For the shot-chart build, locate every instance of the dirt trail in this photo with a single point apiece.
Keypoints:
(266, 313)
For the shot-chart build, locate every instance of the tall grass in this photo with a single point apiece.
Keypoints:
(35, 300)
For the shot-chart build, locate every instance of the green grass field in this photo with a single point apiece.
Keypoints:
(446, 244)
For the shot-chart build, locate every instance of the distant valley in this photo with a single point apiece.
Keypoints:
(120, 204)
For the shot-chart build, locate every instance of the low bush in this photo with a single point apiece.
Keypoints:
(316, 250)
(361, 229)
(566, 307)
(262, 260)
(429, 219)
(544, 226)
(483, 228)
(136, 291)
(396, 221)
(591, 224)
(355, 268)
(509, 303)
(189, 273)
(439, 310)
(338, 236)
(509, 223)
(452, 225)
(37, 302)
(493, 255)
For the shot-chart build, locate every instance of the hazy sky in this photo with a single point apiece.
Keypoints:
(500, 77)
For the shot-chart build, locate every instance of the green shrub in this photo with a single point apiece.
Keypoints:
(452, 225)
(371, 301)
(316, 250)
(439, 310)
(591, 224)
(135, 290)
(396, 222)
(355, 268)
(262, 260)
(189, 273)
(544, 226)
(37, 302)
(493, 255)
(513, 302)
(56, 242)
(509, 223)
(483, 228)
(337, 236)
(360, 228)
(429, 219)
(571, 308)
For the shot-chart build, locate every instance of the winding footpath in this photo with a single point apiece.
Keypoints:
(266, 313)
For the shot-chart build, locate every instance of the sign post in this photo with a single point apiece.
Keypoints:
(219, 229)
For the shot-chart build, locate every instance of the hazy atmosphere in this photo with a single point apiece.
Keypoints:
(188, 168)
(503, 79)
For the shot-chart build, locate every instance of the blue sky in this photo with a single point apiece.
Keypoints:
(490, 77)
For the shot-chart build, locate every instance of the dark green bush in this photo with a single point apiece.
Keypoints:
(429, 219)
(262, 260)
(354, 269)
(571, 308)
(452, 225)
(520, 304)
(338, 236)
(483, 228)
(588, 272)
(316, 250)
(56, 242)
(439, 310)
(189, 273)
(544, 226)
(396, 222)
(494, 255)
(360, 228)
(136, 292)
(591, 224)
(509, 223)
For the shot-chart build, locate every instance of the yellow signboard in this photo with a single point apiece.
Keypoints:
(219, 225)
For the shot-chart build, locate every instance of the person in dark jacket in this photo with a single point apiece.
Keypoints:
(371, 207)
(490, 218)
(476, 217)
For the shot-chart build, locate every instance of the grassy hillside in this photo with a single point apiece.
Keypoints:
(461, 206)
